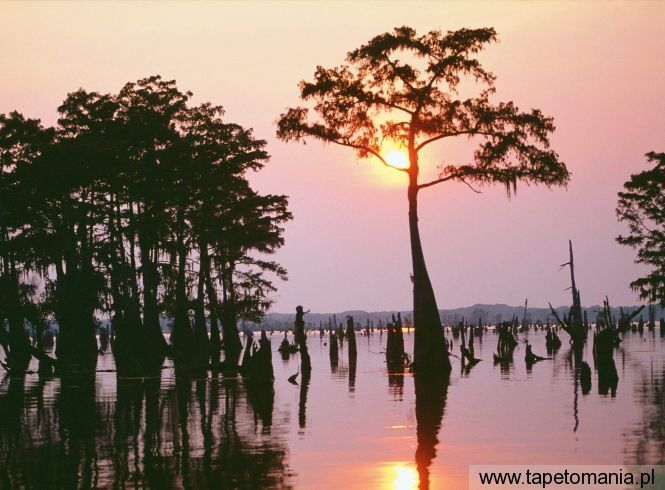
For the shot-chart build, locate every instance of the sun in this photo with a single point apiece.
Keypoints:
(397, 158)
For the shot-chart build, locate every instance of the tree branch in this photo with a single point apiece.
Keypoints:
(370, 151)
(472, 131)
(396, 71)
(470, 186)
(459, 176)
(437, 181)
(436, 138)
(383, 101)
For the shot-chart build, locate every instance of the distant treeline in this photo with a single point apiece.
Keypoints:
(136, 206)
(488, 314)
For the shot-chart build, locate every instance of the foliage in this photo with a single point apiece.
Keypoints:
(404, 87)
(641, 206)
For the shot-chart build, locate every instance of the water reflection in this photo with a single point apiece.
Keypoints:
(645, 441)
(302, 403)
(405, 478)
(396, 384)
(608, 378)
(352, 373)
(575, 365)
(431, 394)
(153, 433)
(346, 426)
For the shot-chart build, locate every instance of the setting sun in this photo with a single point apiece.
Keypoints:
(397, 158)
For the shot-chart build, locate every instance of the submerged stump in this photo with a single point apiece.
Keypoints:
(301, 342)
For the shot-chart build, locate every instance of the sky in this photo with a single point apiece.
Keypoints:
(596, 67)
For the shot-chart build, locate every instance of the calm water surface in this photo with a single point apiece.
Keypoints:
(351, 427)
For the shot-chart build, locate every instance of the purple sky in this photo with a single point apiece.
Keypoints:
(598, 68)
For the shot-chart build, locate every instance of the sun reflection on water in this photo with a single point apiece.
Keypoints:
(404, 478)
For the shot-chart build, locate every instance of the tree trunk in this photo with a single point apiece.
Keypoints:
(351, 335)
(150, 304)
(77, 343)
(201, 341)
(231, 344)
(215, 311)
(149, 254)
(182, 337)
(430, 352)
(576, 313)
(18, 356)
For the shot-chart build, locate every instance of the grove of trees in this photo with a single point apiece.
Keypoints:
(136, 206)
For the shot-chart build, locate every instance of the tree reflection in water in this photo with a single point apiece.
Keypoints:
(645, 444)
(431, 394)
(152, 433)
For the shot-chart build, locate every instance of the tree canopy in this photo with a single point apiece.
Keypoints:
(404, 87)
(641, 206)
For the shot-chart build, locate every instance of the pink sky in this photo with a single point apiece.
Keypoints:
(597, 67)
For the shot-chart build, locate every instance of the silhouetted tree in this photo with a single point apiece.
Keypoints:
(402, 88)
(136, 206)
(21, 142)
(641, 206)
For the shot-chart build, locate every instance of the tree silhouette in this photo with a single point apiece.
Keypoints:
(402, 88)
(641, 206)
(21, 141)
(136, 206)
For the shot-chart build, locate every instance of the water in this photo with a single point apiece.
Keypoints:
(349, 428)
